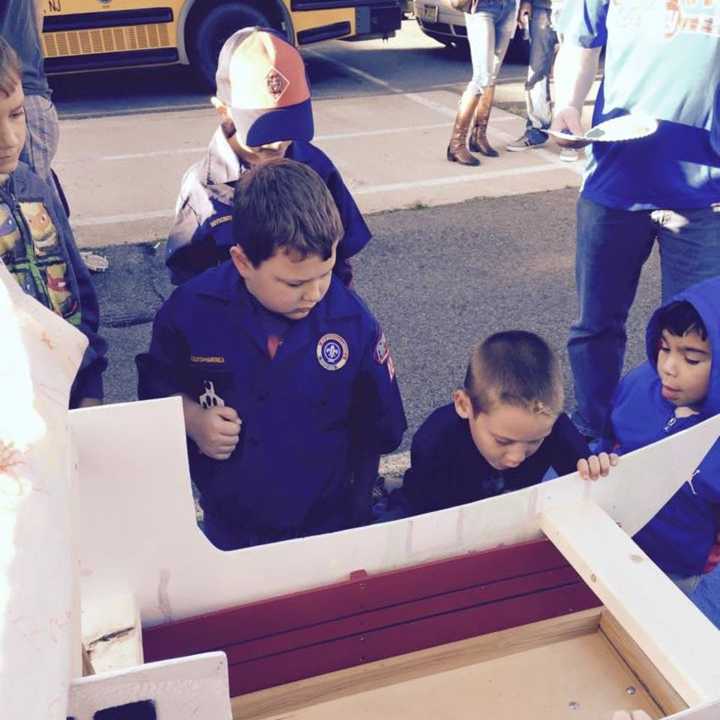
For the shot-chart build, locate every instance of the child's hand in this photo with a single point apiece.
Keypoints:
(596, 466)
(215, 430)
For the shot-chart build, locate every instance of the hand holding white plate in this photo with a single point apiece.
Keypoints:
(620, 129)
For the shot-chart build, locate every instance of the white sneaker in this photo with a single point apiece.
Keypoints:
(568, 155)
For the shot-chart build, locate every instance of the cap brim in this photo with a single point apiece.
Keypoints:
(262, 127)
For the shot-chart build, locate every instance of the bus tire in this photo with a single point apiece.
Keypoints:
(211, 32)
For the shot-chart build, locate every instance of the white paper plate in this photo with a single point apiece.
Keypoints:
(621, 129)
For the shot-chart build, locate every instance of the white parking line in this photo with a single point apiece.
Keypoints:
(375, 189)
(318, 138)
(126, 217)
(454, 180)
(551, 159)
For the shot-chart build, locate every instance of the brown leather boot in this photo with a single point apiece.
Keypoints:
(457, 149)
(478, 136)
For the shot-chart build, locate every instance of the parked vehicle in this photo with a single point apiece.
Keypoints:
(90, 35)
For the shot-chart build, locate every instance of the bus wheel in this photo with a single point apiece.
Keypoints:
(211, 32)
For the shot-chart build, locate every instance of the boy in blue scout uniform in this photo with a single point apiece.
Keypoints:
(288, 386)
(36, 242)
(503, 431)
(263, 100)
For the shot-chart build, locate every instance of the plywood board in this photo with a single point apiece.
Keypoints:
(368, 618)
(39, 593)
(661, 690)
(677, 638)
(183, 689)
(581, 678)
(707, 711)
(134, 474)
(331, 686)
(112, 634)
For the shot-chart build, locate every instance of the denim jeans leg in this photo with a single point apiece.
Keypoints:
(543, 41)
(504, 30)
(481, 38)
(689, 247)
(489, 32)
(706, 596)
(612, 246)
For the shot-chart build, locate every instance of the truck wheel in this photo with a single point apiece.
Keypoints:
(213, 30)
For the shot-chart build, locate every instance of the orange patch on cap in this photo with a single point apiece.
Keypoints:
(267, 72)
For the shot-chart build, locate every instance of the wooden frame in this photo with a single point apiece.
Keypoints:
(300, 625)
(183, 689)
(679, 641)
(370, 618)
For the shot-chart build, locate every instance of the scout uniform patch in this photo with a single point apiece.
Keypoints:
(382, 355)
(332, 351)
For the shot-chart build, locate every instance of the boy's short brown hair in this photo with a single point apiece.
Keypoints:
(10, 68)
(283, 204)
(518, 368)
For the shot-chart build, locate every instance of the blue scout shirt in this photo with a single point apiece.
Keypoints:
(679, 538)
(202, 233)
(329, 392)
(662, 60)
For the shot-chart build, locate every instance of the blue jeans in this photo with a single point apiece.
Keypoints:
(704, 593)
(543, 41)
(612, 246)
(489, 31)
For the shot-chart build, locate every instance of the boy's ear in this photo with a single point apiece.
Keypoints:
(463, 404)
(240, 260)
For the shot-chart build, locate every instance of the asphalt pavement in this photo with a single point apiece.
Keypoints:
(438, 279)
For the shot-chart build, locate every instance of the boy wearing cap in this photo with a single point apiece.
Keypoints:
(288, 386)
(263, 99)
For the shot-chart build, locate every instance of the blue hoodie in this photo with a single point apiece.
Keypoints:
(678, 539)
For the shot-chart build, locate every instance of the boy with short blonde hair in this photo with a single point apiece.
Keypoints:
(503, 431)
(36, 242)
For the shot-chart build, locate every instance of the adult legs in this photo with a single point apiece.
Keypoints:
(505, 16)
(542, 54)
(612, 246)
(481, 37)
(689, 247)
(543, 43)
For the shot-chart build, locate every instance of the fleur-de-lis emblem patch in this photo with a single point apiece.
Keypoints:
(277, 83)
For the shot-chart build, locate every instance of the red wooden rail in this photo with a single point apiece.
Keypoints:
(368, 618)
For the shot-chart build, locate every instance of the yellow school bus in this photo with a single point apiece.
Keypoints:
(81, 35)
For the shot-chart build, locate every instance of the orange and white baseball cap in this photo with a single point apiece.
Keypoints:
(261, 78)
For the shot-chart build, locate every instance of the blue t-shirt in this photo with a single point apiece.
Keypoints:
(662, 60)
